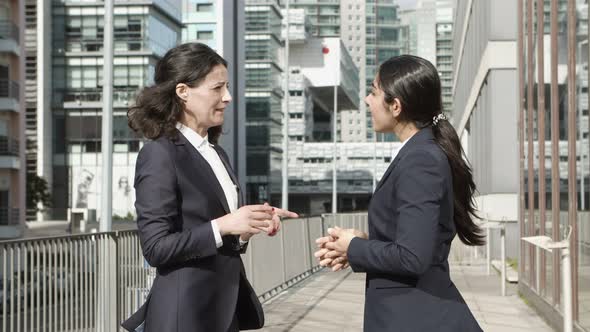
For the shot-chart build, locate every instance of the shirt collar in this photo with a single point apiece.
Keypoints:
(192, 136)
(395, 151)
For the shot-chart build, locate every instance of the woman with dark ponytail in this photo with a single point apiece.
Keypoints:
(423, 200)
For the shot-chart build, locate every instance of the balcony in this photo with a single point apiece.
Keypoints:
(8, 146)
(9, 37)
(8, 216)
(9, 95)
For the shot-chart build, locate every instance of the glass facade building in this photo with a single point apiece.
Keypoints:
(553, 57)
(143, 32)
(264, 97)
(385, 37)
(444, 50)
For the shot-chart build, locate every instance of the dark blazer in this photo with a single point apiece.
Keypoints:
(408, 287)
(198, 287)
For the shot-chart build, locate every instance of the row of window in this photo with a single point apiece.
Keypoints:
(96, 146)
(90, 77)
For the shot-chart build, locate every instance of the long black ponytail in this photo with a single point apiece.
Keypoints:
(415, 83)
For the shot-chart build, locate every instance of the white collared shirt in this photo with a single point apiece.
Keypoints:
(395, 151)
(206, 150)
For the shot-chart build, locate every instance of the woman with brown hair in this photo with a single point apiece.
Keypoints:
(191, 222)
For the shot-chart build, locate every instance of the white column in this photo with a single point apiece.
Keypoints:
(285, 165)
(107, 121)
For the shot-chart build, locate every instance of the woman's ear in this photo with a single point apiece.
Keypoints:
(182, 91)
(395, 107)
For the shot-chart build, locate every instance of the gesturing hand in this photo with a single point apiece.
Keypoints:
(276, 218)
(275, 222)
(247, 219)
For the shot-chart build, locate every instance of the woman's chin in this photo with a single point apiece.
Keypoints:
(218, 121)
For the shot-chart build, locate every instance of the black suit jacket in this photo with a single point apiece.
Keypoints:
(198, 287)
(411, 227)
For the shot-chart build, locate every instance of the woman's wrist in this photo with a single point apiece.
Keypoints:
(246, 237)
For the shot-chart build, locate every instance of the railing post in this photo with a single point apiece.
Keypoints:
(283, 261)
(107, 319)
(113, 281)
(567, 289)
(488, 251)
(503, 255)
(310, 242)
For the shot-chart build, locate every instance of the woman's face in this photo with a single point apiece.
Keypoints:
(205, 103)
(381, 113)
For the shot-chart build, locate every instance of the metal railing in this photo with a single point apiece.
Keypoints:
(94, 281)
(8, 146)
(77, 282)
(9, 89)
(9, 30)
(8, 216)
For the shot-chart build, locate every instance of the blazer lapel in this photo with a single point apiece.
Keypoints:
(388, 171)
(232, 175)
(423, 135)
(203, 166)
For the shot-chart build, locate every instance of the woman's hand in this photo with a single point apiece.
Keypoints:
(334, 247)
(247, 219)
(276, 219)
(274, 224)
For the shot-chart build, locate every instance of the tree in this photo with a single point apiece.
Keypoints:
(37, 192)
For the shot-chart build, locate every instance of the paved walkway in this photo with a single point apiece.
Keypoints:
(334, 302)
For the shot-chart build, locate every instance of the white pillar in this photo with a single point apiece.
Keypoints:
(285, 165)
(107, 120)
(334, 152)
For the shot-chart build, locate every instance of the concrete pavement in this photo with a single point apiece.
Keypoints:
(334, 302)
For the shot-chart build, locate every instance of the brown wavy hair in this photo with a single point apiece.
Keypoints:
(157, 108)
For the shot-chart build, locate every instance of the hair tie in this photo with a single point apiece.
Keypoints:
(437, 118)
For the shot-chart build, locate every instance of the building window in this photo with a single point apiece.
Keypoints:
(204, 35)
(204, 7)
